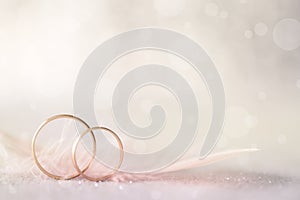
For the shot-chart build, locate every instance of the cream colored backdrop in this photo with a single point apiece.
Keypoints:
(253, 43)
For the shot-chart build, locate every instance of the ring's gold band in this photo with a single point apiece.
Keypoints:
(74, 149)
(59, 177)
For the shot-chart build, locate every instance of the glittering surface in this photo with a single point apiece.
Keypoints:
(214, 185)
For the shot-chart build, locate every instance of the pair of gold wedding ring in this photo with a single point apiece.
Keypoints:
(80, 172)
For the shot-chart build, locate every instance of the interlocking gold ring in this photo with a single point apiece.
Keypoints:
(81, 172)
(58, 177)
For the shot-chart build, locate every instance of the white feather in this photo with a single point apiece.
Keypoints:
(197, 162)
(15, 158)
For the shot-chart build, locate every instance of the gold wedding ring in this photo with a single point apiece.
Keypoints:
(74, 149)
(55, 117)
